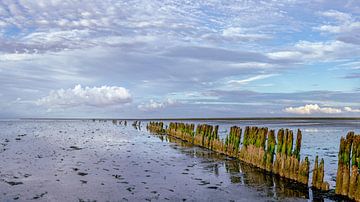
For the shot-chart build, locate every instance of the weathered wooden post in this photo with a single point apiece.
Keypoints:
(315, 173)
(355, 161)
(341, 163)
(280, 139)
(304, 171)
(343, 172)
(346, 171)
(270, 150)
(298, 144)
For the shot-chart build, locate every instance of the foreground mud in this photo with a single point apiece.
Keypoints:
(86, 161)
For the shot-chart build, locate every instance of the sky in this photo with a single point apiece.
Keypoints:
(179, 58)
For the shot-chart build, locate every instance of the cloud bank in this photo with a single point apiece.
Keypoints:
(90, 96)
(349, 109)
(312, 109)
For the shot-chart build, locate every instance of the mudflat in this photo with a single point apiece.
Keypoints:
(83, 160)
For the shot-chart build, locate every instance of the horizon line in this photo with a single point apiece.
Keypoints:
(192, 118)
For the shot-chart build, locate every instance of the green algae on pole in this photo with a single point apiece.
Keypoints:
(260, 158)
(246, 136)
(315, 172)
(355, 165)
(156, 127)
(289, 147)
(348, 179)
(318, 176)
(304, 169)
(232, 141)
(298, 144)
(341, 162)
(295, 157)
(277, 162)
(270, 150)
(346, 170)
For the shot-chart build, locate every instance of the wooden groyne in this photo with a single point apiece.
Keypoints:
(259, 147)
(156, 127)
(348, 178)
(318, 175)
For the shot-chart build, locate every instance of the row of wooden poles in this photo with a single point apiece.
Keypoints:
(348, 178)
(121, 122)
(259, 147)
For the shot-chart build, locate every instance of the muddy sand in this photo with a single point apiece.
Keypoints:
(88, 161)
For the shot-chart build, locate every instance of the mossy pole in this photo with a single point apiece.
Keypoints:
(289, 143)
(357, 191)
(284, 145)
(203, 133)
(263, 138)
(295, 157)
(341, 163)
(289, 151)
(321, 173)
(238, 138)
(270, 150)
(305, 171)
(298, 144)
(246, 136)
(245, 143)
(262, 151)
(355, 154)
(280, 140)
(315, 173)
(216, 129)
(282, 167)
(346, 171)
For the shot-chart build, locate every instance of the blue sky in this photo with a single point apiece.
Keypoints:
(206, 58)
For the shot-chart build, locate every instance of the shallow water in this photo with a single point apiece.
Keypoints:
(86, 160)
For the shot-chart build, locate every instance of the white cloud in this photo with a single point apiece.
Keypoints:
(329, 28)
(55, 36)
(69, 24)
(155, 105)
(350, 65)
(314, 51)
(252, 65)
(344, 25)
(312, 109)
(340, 16)
(254, 78)
(285, 55)
(237, 33)
(96, 96)
(11, 57)
(349, 109)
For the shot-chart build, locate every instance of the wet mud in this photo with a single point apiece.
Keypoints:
(102, 161)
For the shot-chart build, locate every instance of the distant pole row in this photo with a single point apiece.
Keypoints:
(118, 122)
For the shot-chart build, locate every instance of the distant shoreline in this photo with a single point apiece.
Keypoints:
(206, 119)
